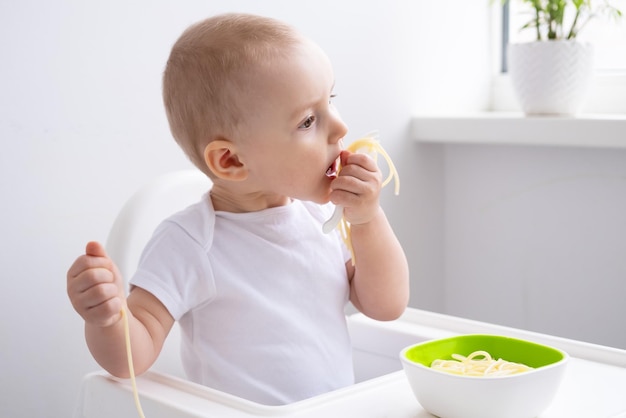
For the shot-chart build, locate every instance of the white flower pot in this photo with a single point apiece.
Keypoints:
(551, 77)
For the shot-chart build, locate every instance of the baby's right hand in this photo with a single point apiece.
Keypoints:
(95, 287)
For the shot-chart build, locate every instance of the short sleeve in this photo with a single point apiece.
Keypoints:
(175, 268)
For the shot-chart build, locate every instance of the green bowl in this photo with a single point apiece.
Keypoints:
(522, 395)
(510, 349)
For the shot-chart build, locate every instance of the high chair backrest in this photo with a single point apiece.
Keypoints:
(134, 225)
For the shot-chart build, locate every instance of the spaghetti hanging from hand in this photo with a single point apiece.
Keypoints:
(131, 368)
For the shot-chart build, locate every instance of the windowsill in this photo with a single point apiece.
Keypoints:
(513, 128)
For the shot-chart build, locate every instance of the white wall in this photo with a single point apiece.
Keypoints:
(535, 238)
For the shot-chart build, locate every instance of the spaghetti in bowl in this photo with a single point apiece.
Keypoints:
(484, 376)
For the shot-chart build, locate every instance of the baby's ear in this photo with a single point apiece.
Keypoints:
(221, 157)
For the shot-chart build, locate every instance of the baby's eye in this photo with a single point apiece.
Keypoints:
(308, 122)
(332, 96)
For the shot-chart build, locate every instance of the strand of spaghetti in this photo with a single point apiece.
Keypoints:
(131, 368)
(373, 148)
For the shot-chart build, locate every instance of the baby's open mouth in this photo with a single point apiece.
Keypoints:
(332, 170)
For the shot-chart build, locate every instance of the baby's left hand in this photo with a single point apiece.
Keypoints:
(357, 187)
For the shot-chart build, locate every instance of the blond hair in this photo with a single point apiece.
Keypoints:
(206, 72)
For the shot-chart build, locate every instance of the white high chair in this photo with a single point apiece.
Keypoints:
(381, 389)
(134, 225)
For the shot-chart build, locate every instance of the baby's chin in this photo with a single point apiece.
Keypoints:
(320, 200)
(321, 195)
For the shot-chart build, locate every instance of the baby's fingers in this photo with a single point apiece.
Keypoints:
(361, 160)
(87, 262)
(360, 167)
(95, 287)
(89, 278)
(101, 306)
(96, 296)
(92, 268)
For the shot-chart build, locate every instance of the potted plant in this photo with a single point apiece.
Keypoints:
(551, 75)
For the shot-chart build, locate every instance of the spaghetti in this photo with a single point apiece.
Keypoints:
(479, 363)
(369, 145)
(131, 368)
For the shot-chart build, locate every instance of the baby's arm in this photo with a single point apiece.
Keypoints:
(96, 290)
(379, 282)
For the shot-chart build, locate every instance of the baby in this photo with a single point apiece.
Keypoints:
(258, 289)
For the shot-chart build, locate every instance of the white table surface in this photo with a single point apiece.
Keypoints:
(594, 385)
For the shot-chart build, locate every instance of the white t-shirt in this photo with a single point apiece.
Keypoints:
(260, 298)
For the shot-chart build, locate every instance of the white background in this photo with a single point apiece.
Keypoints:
(526, 236)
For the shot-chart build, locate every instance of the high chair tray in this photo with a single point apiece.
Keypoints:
(594, 385)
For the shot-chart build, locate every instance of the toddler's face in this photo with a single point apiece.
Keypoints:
(292, 131)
